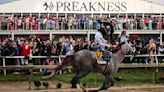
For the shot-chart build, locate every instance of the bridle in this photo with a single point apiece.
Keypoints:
(122, 51)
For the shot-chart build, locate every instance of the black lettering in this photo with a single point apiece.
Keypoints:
(83, 6)
(91, 4)
(102, 6)
(58, 5)
(110, 6)
(123, 4)
(117, 5)
(66, 6)
(75, 6)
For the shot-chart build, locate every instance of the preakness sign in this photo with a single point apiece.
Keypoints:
(80, 6)
(86, 6)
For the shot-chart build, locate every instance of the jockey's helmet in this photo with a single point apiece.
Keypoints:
(105, 26)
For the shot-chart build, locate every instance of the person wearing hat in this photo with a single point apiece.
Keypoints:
(102, 43)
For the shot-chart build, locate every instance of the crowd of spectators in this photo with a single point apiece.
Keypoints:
(79, 23)
(34, 46)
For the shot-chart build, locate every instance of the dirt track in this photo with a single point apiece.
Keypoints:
(23, 87)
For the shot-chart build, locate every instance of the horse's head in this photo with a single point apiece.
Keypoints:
(128, 48)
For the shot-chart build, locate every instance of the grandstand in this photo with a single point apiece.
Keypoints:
(41, 32)
(49, 18)
(74, 10)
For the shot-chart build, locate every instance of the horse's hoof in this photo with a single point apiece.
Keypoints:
(112, 84)
(94, 91)
(74, 86)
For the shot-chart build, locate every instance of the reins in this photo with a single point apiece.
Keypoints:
(106, 67)
(119, 49)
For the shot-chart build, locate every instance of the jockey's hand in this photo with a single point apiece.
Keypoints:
(114, 46)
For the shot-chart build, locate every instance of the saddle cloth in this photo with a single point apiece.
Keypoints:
(101, 62)
(103, 58)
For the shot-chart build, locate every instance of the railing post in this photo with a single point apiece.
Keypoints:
(160, 37)
(88, 35)
(30, 78)
(60, 64)
(4, 64)
(50, 34)
(12, 36)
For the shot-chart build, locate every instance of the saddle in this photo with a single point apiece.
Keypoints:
(103, 57)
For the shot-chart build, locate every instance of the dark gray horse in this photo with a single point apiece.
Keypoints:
(85, 62)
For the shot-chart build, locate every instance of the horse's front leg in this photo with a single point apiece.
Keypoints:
(107, 83)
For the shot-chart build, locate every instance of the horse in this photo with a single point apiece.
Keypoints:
(85, 61)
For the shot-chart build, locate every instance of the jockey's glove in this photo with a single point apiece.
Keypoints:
(106, 47)
(114, 46)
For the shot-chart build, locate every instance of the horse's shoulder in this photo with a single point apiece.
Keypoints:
(85, 53)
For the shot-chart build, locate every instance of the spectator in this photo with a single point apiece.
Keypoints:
(48, 61)
(160, 49)
(15, 51)
(78, 46)
(5, 51)
(150, 24)
(152, 50)
(35, 49)
(25, 52)
(62, 49)
(131, 23)
(123, 37)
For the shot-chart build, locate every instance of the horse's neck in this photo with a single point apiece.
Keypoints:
(117, 59)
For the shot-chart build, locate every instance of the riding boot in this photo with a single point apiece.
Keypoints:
(107, 55)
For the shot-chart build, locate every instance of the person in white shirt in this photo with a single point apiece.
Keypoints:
(123, 37)
(160, 49)
(99, 38)
(102, 44)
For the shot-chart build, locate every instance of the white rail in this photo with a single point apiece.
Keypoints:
(86, 32)
(6, 32)
(62, 56)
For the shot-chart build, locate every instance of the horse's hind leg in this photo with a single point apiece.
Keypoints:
(78, 76)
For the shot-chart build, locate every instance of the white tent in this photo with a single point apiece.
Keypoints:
(80, 6)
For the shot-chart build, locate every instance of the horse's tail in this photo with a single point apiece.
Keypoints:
(68, 60)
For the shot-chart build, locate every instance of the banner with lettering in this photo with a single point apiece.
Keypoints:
(80, 6)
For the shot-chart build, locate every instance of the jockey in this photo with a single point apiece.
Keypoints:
(102, 43)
